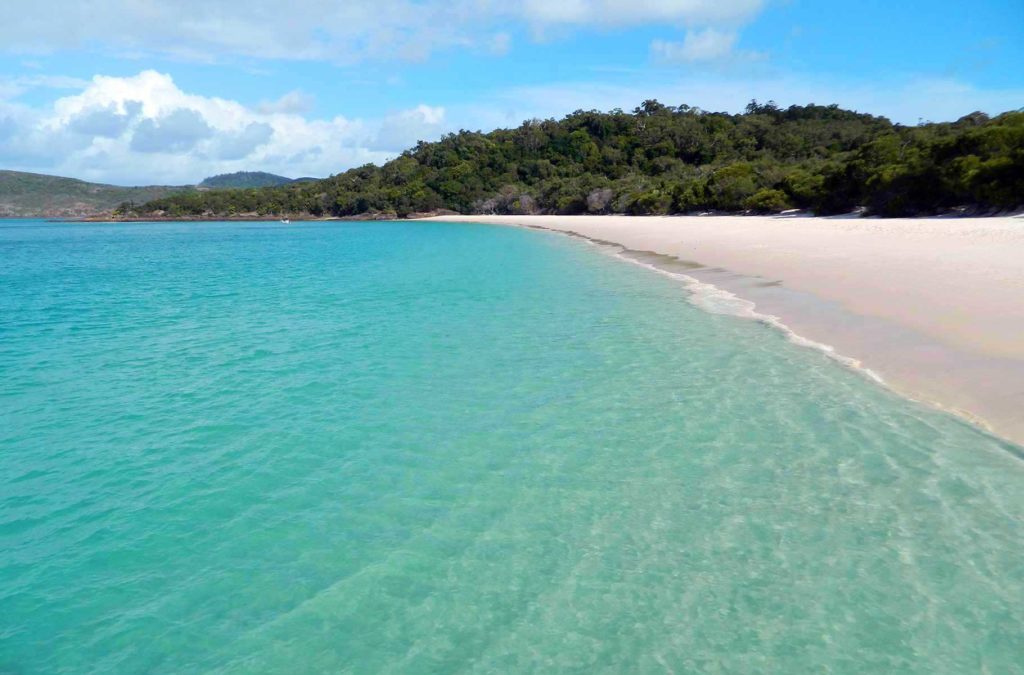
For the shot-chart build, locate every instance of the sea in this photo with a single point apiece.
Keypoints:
(423, 447)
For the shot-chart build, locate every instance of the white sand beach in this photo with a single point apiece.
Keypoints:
(935, 306)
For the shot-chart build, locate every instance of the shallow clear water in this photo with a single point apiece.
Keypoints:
(411, 447)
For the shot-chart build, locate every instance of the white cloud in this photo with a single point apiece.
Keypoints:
(145, 129)
(106, 122)
(402, 130)
(635, 12)
(240, 145)
(331, 30)
(176, 131)
(709, 44)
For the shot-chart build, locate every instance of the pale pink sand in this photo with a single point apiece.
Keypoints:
(933, 305)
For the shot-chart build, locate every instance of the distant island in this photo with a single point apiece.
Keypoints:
(661, 159)
(33, 195)
(28, 195)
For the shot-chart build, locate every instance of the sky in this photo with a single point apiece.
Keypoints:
(136, 92)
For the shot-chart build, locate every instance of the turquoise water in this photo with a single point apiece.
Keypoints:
(411, 447)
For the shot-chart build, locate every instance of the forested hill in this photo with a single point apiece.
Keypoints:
(663, 159)
(245, 179)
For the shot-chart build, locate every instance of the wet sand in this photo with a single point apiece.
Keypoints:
(934, 306)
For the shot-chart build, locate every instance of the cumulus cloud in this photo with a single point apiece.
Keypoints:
(242, 144)
(145, 129)
(329, 29)
(106, 122)
(402, 130)
(296, 101)
(174, 132)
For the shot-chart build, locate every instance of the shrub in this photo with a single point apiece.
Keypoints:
(767, 200)
(652, 202)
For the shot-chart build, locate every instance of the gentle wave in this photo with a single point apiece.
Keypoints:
(716, 300)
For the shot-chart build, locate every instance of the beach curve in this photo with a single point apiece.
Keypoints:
(934, 307)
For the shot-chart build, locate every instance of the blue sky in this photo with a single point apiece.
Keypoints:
(144, 91)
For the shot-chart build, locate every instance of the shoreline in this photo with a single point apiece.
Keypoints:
(442, 214)
(925, 306)
(206, 219)
(246, 217)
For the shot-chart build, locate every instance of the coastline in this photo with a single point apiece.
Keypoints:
(932, 307)
(246, 217)
(207, 219)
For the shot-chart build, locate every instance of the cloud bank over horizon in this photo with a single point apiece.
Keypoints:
(121, 129)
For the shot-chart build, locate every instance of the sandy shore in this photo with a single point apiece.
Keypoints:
(934, 306)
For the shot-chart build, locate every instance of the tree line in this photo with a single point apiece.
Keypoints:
(661, 159)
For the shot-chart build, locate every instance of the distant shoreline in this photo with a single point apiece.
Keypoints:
(453, 214)
(934, 306)
(204, 219)
(259, 218)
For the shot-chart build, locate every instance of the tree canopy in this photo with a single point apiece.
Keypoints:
(244, 179)
(661, 159)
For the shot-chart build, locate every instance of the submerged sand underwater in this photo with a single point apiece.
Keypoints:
(420, 447)
(933, 305)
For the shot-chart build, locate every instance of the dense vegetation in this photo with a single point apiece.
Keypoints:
(662, 159)
(245, 179)
(35, 194)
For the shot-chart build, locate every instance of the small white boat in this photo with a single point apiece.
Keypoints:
(286, 221)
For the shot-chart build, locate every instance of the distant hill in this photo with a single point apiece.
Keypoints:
(247, 179)
(25, 195)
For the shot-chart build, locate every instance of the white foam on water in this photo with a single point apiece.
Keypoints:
(717, 300)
